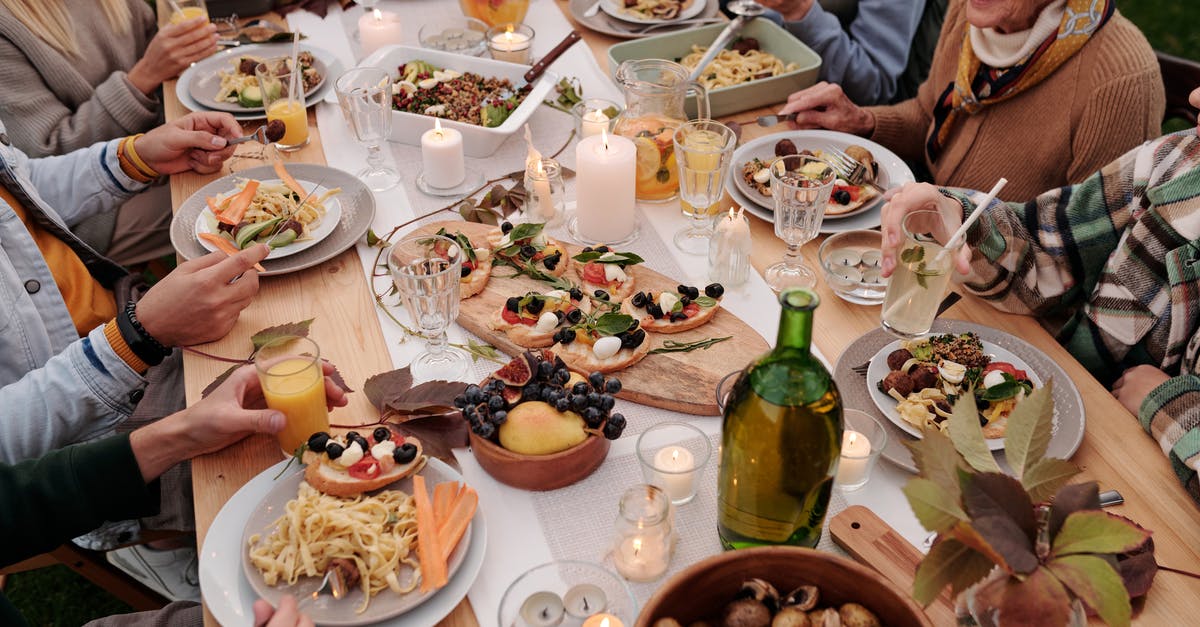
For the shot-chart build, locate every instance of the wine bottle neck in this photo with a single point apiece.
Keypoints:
(795, 320)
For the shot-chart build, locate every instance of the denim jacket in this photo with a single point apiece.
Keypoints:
(58, 388)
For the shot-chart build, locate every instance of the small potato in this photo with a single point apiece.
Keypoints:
(855, 615)
(667, 622)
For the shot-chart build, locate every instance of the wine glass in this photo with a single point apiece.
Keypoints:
(365, 95)
(800, 186)
(703, 150)
(426, 270)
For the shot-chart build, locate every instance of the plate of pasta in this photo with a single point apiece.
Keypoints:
(229, 84)
(653, 11)
(272, 212)
(296, 532)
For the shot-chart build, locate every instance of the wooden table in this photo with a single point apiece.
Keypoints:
(1115, 451)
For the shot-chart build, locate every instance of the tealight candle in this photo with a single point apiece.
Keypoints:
(377, 29)
(442, 157)
(603, 620)
(729, 250)
(849, 273)
(594, 122)
(872, 258)
(542, 609)
(641, 558)
(873, 275)
(584, 600)
(844, 257)
(676, 472)
(511, 42)
(605, 196)
(855, 461)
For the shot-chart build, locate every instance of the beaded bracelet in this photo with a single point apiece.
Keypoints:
(139, 341)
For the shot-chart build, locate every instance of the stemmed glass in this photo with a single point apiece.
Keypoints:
(426, 270)
(703, 150)
(800, 185)
(365, 95)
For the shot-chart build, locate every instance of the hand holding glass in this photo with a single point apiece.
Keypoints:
(703, 150)
(800, 187)
(921, 276)
(293, 382)
(426, 270)
(365, 95)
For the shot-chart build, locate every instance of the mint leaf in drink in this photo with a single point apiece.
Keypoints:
(916, 253)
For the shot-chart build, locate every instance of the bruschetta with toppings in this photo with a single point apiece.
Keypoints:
(600, 268)
(606, 343)
(525, 244)
(476, 264)
(673, 312)
(532, 320)
(349, 465)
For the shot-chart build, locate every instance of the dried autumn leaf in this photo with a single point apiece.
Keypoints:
(949, 562)
(1046, 476)
(1137, 568)
(1030, 426)
(967, 435)
(997, 494)
(934, 507)
(271, 334)
(1071, 499)
(937, 461)
(219, 380)
(1095, 582)
(387, 387)
(1038, 601)
(965, 533)
(1009, 540)
(1096, 532)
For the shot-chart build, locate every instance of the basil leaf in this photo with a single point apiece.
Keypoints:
(613, 323)
(462, 240)
(526, 230)
(1010, 388)
(621, 259)
(706, 301)
(678, 306)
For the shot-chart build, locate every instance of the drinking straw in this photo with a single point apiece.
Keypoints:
(175, 7)
(956, 239)
(292, 85)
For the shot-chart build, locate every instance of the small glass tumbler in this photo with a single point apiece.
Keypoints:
(427, 271)
(184, 10)
(283, 100)
(594, 116)
(365, 95)
(863, 439)
(800, 187)
(673, 457)
(511, 42)
(644, 540)
(545, 199)
(293, 382)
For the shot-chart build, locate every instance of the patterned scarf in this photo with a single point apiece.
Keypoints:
(977, 85)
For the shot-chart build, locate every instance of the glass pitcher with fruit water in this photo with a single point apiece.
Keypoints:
(655, 91)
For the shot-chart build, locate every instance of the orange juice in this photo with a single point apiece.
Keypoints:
(494, 12)
(188, 13)
(294, 118)
(657, 174)
(296, 387)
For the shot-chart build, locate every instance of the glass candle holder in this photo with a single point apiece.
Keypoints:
(644, 540)
(594, 116)
(729, 250)
(673, 456)
(546, 195)
(863, 440)
(511, 42)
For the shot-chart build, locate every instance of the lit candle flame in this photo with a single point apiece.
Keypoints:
(637, 546)
(508, 31)
(731, 215)
(675, 455)
(604, 623)
(604, 138)
(540, 171)
(437, 127)
(851, 440)
(378, 15)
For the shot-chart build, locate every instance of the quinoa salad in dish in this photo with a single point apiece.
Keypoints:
(459, 96)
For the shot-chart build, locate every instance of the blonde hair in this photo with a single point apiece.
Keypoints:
(50, 20)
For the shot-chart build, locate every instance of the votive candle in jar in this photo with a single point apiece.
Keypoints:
(377, 29)
(605, 194)
(645, 541)
(729, 250)
(545, 189)
(442, 157)
(511, 42)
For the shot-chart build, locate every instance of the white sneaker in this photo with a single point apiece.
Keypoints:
(172, 573)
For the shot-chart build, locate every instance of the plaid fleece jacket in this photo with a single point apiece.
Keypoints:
(1112, 267)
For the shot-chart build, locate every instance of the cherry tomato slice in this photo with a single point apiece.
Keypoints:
(594, 273)
(365, 468)
(1004, 366)
(691, 309)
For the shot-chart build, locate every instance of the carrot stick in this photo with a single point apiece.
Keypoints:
(225, 246)
(433, 565)
(287, 179)
(217, 206)
(443, 495)
(238, 204)
(456, 525)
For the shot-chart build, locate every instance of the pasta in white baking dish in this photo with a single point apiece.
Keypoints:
(731, 68)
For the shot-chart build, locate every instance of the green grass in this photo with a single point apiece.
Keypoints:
(1168, 24)
(58, 597)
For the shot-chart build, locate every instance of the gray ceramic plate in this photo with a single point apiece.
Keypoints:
(324, 610)
(1068, 405)
(866, 220)
(333, 67)
(358, 210)
(206, 78)
(602, 22)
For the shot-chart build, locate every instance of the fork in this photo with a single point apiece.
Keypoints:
(850, 169)
(947, 302)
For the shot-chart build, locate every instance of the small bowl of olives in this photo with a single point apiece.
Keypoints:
(852, 263)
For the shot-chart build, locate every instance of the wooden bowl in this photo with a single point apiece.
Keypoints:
(540, 472)
(702, 590)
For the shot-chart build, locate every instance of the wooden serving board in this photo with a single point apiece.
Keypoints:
(873, 542)
(684, 382)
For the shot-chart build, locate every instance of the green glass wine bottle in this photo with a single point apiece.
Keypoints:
(780, 441)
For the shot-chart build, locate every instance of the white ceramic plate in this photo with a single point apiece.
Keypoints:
(616, 8)
(183, 86)
(207, 80)
(868, 219)
(886, 404)
(228, 594)
(206, 223)
(893, 172)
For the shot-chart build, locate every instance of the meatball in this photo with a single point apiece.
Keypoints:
(247, 65)
(896, 380)
(785, 147)
(745, 44)
(924, 377)
(897, 358)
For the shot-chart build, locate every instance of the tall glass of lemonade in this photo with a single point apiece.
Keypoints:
(703, 150)
(921, 276)
(283, 100)
(293, 382)
(184, 10)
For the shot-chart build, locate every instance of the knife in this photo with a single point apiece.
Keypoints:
(772, 120)
(747, 11)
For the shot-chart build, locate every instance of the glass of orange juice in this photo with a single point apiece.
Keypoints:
(494, 12)
(184, 10)
(293, 382)
(284, 101)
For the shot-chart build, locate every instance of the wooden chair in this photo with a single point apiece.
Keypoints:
(1180, 77)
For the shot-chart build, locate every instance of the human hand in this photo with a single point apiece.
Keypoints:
(196, 141)
(171, 51)
(915, 197)
(825, 105)
(288, 614)
(1137, 382)
(200, 300)
(791, 10)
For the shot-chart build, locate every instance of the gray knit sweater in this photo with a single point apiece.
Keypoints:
(52, 103)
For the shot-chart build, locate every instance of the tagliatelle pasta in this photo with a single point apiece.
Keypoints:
(657, 9)
(378, 533)
(731, 68)
(275, 200)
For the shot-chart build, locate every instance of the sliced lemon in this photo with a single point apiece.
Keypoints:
(648, 158)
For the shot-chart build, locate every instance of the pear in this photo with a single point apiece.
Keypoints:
(536, 428)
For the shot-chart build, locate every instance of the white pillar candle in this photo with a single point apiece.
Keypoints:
(510, 46)
(594, 122)
(605, 196)
(442, 156)
(856, 458)
(642, 558)
(676, 472)
(377, 29)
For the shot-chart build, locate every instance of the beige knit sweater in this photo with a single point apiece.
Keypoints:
(1102, 102)
(53, 104)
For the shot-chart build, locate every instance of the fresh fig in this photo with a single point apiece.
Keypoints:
(512, 394)
(516, 372)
